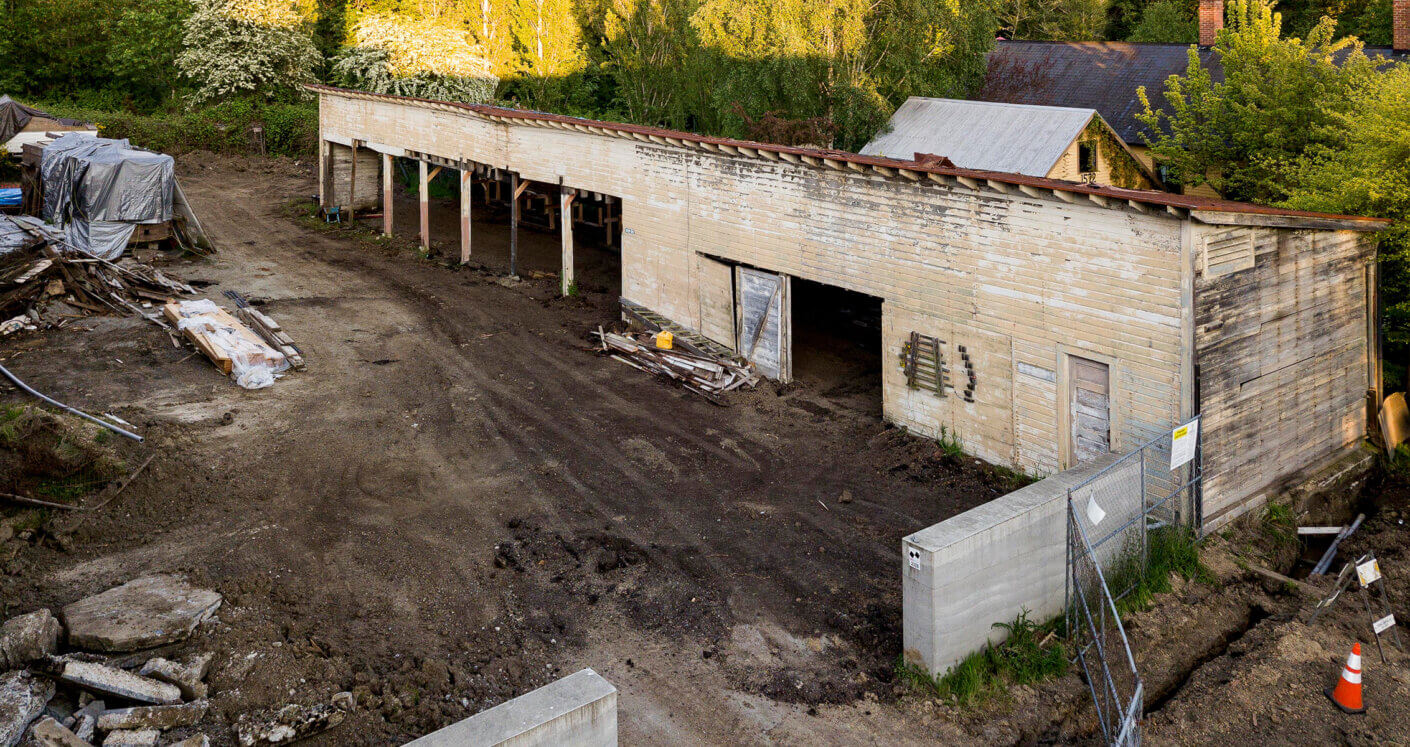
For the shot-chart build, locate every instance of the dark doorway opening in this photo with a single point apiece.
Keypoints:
(837, 344)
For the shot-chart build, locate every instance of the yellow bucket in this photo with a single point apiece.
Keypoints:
(665, 340)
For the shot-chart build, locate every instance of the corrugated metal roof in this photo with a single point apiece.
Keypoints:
(843, 160)
(1014, 138)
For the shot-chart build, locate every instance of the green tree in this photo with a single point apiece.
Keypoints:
(549, 50)
(1055, 20)
(427, 58)
(1166, 21)
(56, 47)
(1365, 170)
(241, 47)
(1280, 97)
(141, 55)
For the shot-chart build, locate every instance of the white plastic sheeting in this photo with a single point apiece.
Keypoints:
(254, 364)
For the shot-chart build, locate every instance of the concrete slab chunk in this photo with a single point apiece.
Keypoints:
(143, 613)
(186, 676)
(22, 698)
(580, 709)
(47, 732)
(107, 680)
(28, 637)
(200, 740)
(132, 738)
(153, 717)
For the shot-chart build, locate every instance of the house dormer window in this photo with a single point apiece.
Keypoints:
(1087, 157)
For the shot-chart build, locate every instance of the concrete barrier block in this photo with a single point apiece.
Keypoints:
(578, 710)
(985, 566)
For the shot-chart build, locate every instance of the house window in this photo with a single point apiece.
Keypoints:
(1087, 157)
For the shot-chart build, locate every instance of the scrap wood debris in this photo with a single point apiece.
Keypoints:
(703, 374)
(45, 282)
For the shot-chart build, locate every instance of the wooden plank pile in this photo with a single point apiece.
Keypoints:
(272, 333)
(42, 282)
(706, 375)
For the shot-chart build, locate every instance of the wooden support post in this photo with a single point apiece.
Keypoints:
(352, 183)
(424, 195)
(387, 205)
(466, 184)
(565, 217)
(514, 225)
(325, 168)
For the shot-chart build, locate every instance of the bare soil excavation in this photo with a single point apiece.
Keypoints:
(460, 501)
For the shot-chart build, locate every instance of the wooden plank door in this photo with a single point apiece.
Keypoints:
(1089, 409)
(762, 327)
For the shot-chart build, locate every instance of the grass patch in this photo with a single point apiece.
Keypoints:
(1020, 660)
(950, 444)
(1170, 550)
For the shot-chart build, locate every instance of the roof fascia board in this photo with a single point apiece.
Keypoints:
(1220, 218)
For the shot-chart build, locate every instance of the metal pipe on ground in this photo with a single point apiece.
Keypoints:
(1326, 561)
(68, 409)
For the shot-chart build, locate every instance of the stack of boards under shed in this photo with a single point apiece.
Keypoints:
(703, 374)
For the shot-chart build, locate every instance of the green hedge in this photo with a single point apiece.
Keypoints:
(289, 129)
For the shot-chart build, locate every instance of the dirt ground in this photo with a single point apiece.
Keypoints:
(459, 501)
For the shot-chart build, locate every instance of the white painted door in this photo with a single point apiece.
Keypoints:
(1089, 409)
(762, 321)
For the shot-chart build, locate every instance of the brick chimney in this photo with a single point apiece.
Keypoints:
(1211, 19)
(1400, 25)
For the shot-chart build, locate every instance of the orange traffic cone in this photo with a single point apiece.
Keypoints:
(1347, 694)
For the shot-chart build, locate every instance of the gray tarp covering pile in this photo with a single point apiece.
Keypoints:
(99, 189)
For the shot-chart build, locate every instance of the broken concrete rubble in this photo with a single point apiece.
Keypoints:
(22, 698)
(107, 680)
(47, 732)
(153, 717)
(85, 720)
(132, 738)
(27, 638)
(200, 740)
(293, 722)
(143, 613)
(188, 675)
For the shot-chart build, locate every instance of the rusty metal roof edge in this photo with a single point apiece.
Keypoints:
(1178, 206)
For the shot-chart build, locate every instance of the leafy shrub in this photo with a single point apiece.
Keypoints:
(421, 58)
(290, 129)
(235, 47)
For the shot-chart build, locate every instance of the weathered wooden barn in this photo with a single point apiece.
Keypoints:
(1038, 321)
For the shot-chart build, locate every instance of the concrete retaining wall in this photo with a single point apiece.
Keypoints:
(985, 566)
(579, 710)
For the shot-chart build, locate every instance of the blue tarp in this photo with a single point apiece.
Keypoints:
(10, 197)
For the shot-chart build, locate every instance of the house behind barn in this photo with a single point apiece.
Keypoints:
(1039, 321)
(1058, 142)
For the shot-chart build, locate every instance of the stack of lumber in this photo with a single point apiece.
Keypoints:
(702, 374)
(42, 281)
(230, 345)
(272, 333)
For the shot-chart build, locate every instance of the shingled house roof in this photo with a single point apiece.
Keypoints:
(1098, 75)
